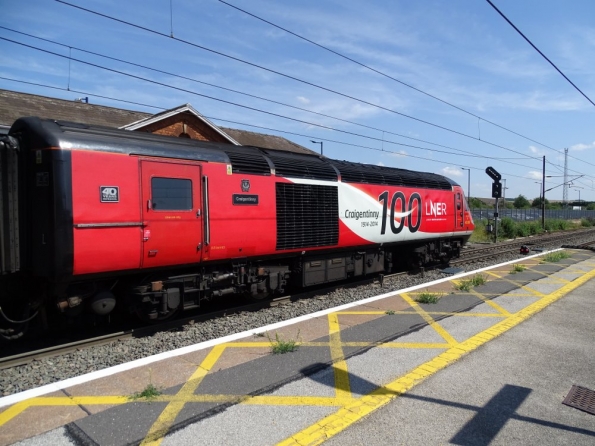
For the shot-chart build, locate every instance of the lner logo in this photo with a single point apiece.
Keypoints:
(109, 194)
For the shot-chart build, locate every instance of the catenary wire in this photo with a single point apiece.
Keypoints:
(361, 64)
(399, 154)
(235, 103)
(195, 45)
(392, 78)
(537, 49)
(242, 93)
(262, 111)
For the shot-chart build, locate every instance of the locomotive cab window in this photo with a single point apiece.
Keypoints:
(171, 194)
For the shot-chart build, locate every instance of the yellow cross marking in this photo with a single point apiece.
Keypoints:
(441, 331)
(169, 414)
(342, 386)
(490, 302)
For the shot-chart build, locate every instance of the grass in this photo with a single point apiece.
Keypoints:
(466, 285)
(280, 346)
(509, 229)
(517, 268)
(149, 393)
(389, 312)
(553, 257)
(428, 298)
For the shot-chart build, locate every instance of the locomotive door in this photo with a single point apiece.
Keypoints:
(172, 214)
(459, 211)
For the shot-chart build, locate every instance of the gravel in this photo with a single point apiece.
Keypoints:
(39, 373)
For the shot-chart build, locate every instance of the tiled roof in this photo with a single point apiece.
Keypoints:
(14, 105)
(247, 138)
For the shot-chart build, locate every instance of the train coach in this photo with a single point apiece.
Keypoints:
(95, 217)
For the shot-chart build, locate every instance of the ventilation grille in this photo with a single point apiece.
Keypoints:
(307, 216)
(363, 173)
(251, 162)
(301, 166)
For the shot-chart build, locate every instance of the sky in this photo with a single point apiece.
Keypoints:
(430, 85)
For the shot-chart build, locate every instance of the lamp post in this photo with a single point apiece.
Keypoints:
(318, 142)
(504, 192)
(539, 182)
(468, 182)
(579, 197)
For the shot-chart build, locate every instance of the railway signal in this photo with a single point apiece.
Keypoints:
(493, 174)
(496, 193)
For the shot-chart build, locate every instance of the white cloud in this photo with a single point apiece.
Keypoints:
(399, 154)
(582, 146)
(534, 175)
(452, 171)
(303, 100)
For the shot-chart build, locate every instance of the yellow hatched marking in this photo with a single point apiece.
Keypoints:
(18, 408)
(159, 429)
(496, 274)
(491, 303)
(412, 311)
(363, 313)
(533, 292)
(342, 386)
(360, 407)
(541, 273)
(445, 313)
(437, 327)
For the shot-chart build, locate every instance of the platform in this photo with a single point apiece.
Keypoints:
(353, 365)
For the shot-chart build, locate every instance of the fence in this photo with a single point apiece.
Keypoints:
(532, 214)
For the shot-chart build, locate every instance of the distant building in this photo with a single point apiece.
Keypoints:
(183, 121)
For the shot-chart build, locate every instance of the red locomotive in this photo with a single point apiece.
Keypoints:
(92, 216)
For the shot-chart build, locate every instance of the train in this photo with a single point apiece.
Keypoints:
(95, 218)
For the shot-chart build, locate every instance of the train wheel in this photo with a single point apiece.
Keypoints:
(152, 316)
(260, 291)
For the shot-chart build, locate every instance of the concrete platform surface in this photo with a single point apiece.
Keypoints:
(483, 365)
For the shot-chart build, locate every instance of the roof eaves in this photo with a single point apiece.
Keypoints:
(174, 111)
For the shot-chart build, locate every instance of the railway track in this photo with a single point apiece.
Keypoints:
(535, 244)
(468, 256)
(27, 357)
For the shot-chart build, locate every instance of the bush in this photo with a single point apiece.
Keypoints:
(534, 227)
(586, 223)
(508, 228)
(522, 230)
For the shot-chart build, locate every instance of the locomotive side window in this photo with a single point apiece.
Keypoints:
(171, 194)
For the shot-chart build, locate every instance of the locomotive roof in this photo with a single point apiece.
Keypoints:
(39, 133)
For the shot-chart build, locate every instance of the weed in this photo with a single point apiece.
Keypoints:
(280, 346)
(428, 298)
(149, 393)
(259, 335)
(517, 268)
(390, 312)
(555, 256)
(466, 285)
